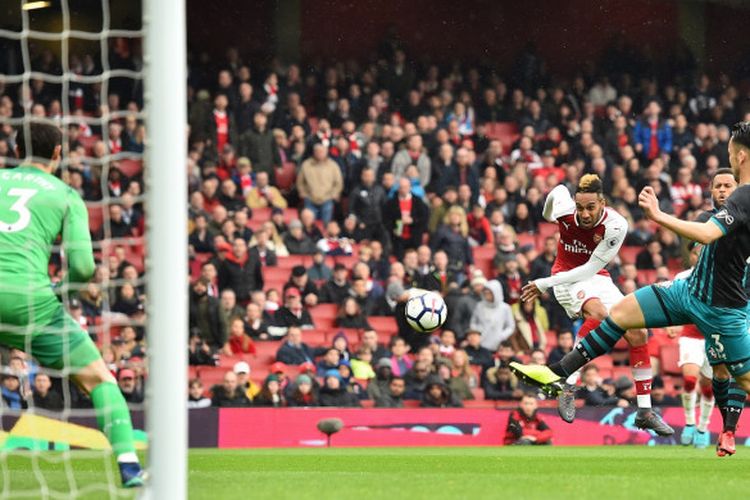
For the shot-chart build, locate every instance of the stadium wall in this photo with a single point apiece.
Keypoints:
(296, 427)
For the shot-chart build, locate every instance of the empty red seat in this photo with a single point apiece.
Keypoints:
(293, 260)
(628, 254)
(547, 229)
(286, 175)
(265, 352)
(314, 338)
(130, 167)
(646, 277)
(275, 274)
(96, 216)
(324, 311)
(484, 252)
(526, 239)
(383, 324)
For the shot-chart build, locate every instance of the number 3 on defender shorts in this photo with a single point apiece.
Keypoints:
(24, 216)
(717, 342)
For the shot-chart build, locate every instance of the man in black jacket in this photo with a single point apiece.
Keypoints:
(259, 145)
(240, 272)
(335, 290)
(478, 355)
(394, 396)
(260, 251)
(334, 393)
(229, 394)
(405, 217)
(45, 398)
(294, 351)
(366, 201)
(205, 317)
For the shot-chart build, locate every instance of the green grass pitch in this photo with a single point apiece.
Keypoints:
(434, 473)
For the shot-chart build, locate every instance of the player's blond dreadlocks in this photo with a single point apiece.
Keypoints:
(590, 183)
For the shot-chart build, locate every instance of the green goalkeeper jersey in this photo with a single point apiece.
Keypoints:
(36, 207)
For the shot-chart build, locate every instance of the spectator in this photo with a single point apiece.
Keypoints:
(493, 317)
(229, 308)
(393, 397)
(196, 399)
(447, 344)
(650, 257)
(258, 145)
(417, 379)
(301, 281)
(501, 384)
(320, 183)
(229, 394)
(223, 129)
(46, 398)
(653, 137)
(12, 392)
(201, 240)
(531, 326)
(414, 154)
(333, 393)
(438, 395)
(263, 195)
(341, 344)
(329, 361)
(565, 342)
(261, 249)
(333, 244)
(199, 352)
(293, 313)
(462, 369)
(244, 382)
(459, 389)
(370, 340)
(293, 351)
(362, 364)
(296, 241)
(319, 271)
(255, 326)
(452, 238)
(405, 217)
(240, 271)
(594, 393)
(525, 427)
(303, 394)
(366, 202)
(478, 355)
(239, 341)
(270, 395)
(205, 316)
(480, 232)
(130, 386)
(350, 315)
(335, 290)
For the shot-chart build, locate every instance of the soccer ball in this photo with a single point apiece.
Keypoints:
(426, 312)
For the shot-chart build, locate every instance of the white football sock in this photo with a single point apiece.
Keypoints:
(688, 404)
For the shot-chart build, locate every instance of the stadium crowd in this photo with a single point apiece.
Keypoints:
(338, 187)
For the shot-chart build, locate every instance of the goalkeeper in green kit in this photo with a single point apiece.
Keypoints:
(36, 207)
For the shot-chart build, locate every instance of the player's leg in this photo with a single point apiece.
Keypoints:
(690, 372)
(702, 437)
(64, 345)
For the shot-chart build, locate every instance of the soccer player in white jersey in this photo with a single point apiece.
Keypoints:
(591, 234)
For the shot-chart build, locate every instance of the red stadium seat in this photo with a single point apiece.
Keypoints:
(324, 311)
(669, 354)
(265, 352)
(130, 167)
(314, 338)
(293, 260)
(621, 371)
(383, 324)
(628, 254)
(603, 362)
(485, 265)
(323, 323)
(96, 216)
(646, 277)
(347, 260)
(276, 274)
(286, 175)
(262, 214)
(547, 229)
(484, 252)
(526, 239)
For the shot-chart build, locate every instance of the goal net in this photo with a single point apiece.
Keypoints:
(82, 66)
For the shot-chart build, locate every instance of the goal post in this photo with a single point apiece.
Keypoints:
(165, 58)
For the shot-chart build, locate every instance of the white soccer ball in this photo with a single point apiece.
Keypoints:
(426, 312)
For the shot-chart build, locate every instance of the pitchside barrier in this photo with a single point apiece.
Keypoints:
(297, 427)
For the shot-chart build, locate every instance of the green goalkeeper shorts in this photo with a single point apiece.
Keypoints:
(58, 345)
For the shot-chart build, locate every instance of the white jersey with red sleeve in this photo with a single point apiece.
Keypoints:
(581, 252)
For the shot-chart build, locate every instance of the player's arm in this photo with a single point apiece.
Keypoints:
(558, 203)
(604, 252)
(702, 232)
(77, 241)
